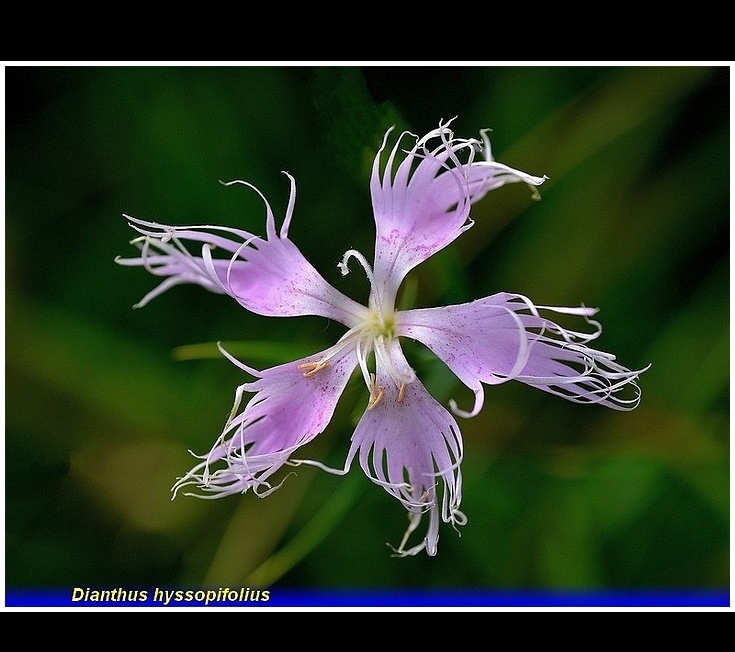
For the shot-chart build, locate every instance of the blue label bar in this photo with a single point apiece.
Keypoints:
(275, 597)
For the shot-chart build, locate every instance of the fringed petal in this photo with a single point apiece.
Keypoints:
(424, 203)
(506, 337)
(410, 445)
(292, 404)
(267, 276)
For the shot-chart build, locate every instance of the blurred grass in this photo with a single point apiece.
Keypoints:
(102, 402)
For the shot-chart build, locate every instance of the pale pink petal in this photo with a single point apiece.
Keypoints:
(289, 408)
(481, 342)
(506, 337)
(267, 276)
(423, 204)
(408, 443)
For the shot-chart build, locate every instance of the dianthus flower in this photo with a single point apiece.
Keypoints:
(406, 441)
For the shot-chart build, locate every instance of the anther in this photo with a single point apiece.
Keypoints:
(376, 398)
(376, 393)
(313, 368)
(401, 392)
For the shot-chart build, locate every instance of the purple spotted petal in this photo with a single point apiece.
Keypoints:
(267, 276)
(287, 411)
(423, 204)
(408, 443)
(481, 342)
(505, 337)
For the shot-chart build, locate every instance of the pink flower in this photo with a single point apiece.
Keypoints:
(406, 441)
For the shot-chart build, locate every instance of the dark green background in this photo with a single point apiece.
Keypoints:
(102, 402)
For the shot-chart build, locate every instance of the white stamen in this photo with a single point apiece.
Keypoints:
(353, 253)
(399, 376)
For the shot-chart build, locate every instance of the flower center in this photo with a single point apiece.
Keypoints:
(371, 336)
(380, 325)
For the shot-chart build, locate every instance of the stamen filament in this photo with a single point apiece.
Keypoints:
(399, 376)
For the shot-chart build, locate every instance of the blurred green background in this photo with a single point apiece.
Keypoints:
(103, 401)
